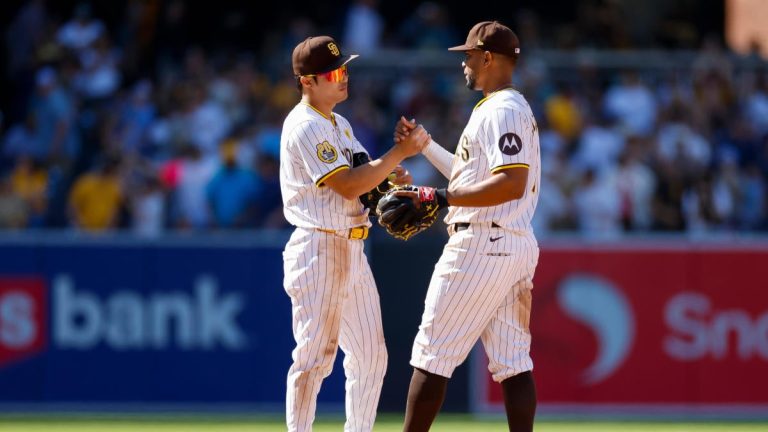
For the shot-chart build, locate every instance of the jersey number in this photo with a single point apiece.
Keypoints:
(463, 148)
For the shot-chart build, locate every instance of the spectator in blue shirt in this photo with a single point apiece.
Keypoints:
(233, 191)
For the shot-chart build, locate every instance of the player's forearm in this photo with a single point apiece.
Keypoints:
(507, 185)
(356, 181)
(441, 158)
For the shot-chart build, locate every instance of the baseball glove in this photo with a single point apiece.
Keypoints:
(402, 216)
(371, 198)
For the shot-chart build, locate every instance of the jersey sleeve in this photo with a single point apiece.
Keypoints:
(508, 139)
(318, 149)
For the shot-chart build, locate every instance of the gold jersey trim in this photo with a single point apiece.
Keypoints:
(332, 118)
(508, 166)
(490, 95)
(322, 179)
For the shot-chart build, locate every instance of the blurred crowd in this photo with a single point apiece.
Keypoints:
(131, 127)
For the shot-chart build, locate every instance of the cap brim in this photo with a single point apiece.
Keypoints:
(461, 48)
(341, 62)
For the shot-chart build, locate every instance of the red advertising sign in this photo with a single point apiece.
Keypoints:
(22, 318)
(640, 326)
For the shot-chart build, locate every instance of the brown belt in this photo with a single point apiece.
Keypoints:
(460, 226)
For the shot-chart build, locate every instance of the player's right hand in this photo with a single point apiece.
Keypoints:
(403, 128)
(415, 142)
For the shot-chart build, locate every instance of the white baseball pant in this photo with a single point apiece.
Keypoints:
(334, 303)
(480, 289)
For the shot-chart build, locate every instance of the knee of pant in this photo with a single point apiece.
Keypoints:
(322, 361)
(382, 358)
(375, 362)
(322, 364)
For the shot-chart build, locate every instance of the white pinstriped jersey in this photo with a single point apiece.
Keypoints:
(312, 148)
(501, 133)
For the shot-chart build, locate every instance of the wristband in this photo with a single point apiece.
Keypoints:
(442, 198)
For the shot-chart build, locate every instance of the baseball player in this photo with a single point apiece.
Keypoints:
(333, 295)
(481, 286)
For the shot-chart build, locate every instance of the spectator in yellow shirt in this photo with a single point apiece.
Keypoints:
(96, 198)
(29, 181)
(562, 112)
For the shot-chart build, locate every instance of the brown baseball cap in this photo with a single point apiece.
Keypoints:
(491, 36)
(318, 54)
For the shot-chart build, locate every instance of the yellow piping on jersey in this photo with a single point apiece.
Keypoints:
(332, 118)
(322, 179)
(508, 166)
(489, 96)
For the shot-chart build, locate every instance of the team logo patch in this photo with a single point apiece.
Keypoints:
(334, 49)
(326, 152)
(346, 132)
(510, 144)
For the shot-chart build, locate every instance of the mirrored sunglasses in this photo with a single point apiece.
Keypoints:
(336, 75)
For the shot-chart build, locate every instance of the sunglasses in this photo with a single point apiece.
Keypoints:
(336, 75)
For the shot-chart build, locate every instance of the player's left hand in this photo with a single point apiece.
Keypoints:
(400, 176)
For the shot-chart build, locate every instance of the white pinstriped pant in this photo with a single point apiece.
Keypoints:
(479, 289)
(335, 303)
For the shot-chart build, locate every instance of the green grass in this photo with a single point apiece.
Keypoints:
(386, 423)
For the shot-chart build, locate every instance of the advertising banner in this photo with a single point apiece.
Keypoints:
(646, 327)
(146, 323)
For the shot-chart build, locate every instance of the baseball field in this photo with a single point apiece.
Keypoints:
(387, 423)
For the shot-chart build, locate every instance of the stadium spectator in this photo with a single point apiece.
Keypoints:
(148, 207)
(563, 113)
(82, 30)
(752, 206)
(633, 104)
(269, 203)
(636, 184)
(19, 140)
(129, 125)
(97, 197)
(13, 210)
(144, 85)
(598, 206)
(29, 181)
(54, 113)
(99, 76)
(233, 191)
(428, 28)
(363, 27)
(190, 204)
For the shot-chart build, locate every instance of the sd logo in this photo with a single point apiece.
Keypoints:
(334, 49)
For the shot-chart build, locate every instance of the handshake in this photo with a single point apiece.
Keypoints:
(403, 210)
(410, 138)
(407, 210)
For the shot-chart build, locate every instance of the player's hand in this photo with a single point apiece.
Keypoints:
(412, 194)
(400, 176)
(415, 142)
(403, 128)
